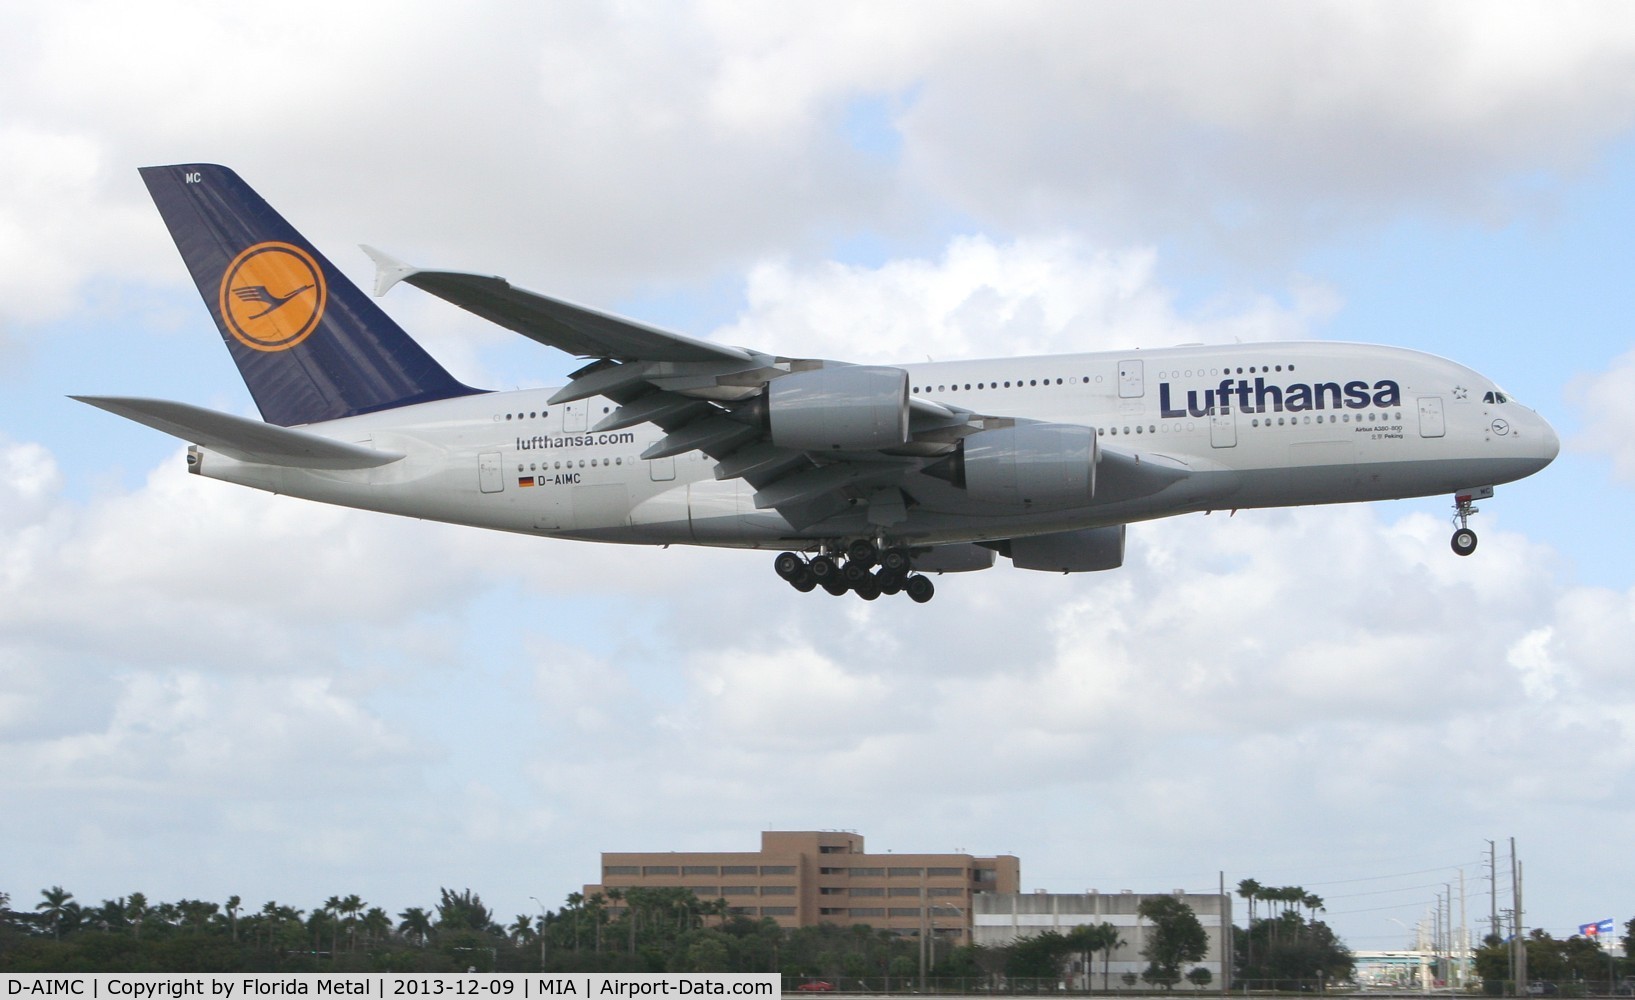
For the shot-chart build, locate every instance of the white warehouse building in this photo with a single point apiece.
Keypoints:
(1002, 918)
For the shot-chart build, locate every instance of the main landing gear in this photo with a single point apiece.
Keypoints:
(861, 567)
(1464, 505)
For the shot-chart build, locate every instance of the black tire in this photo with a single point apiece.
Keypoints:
(862, 552)
(854, 573)
(890, 583)
(920, 588)
(787, 564)
(803, 581)
(895, 561)
(823, 568)
(835, 586)
(1464, 542)
(867, 589)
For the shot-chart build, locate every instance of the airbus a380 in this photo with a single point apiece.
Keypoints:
(867, 477)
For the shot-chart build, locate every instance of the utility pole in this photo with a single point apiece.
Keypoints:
(1519, 945)
(1493, 889)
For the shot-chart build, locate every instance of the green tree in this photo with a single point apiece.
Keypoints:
(415, 925)
(1176, 938)
(54, 907)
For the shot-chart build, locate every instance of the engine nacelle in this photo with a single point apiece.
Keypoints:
(1085, 551)
(1043, 466)
(844, 408)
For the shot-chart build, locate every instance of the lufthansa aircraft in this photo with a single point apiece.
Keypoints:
(866, 476)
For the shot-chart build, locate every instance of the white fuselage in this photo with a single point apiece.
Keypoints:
(1259, 425)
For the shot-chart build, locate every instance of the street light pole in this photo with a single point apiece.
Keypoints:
(541, 932)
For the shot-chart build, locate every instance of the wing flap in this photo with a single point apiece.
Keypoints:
(241, 438)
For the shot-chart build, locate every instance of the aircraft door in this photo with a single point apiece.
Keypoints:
(1130, 381)
(490, 478)
(661, 470)
(576, 416)
(1223, 427)
(1431, 422)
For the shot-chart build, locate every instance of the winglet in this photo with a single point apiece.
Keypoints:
(388, 270)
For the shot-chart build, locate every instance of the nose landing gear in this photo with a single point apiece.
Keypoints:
(866, 570)
(1464, 505)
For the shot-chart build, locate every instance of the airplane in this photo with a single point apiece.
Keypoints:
(866, 477)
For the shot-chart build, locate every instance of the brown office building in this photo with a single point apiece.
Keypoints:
(800, 879)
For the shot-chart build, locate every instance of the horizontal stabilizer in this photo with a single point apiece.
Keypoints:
(241, 438)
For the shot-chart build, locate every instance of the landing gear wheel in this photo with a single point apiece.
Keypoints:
(854, 572)
(803, 580)
(835, 586)
(1464, 542)
(920, 588)
(862, 552)
(889, 583)
(895, 561)
(823, 568)
(787, 565)
(867, 589)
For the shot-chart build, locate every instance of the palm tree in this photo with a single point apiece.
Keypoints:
(136, 910)
(233, 903)
(376, 924)
(55, 906)
(575, 901)
(415, 925)
(521, 929)
(1107, 942)
(332, 906)
(352, 906)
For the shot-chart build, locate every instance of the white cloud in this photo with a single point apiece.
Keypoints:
(1605, 403)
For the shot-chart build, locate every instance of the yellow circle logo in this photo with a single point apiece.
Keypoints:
(273, 296)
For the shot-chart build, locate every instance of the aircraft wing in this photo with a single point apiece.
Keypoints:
(713, 398)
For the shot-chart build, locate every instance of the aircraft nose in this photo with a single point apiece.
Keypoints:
(1549, 442)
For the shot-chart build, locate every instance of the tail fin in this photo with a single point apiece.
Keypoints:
(310, 345)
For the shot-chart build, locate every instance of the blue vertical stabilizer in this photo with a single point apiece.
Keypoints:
(310, 345)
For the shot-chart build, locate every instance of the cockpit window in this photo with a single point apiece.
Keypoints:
(1495, 397)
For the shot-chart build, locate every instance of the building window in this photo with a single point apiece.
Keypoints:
(868, 872)
(661, 870)
(906, 890)
(738, 869)
(906, 872)
(777, 869)
(737, 890)
(826, 891)
(777, 911)
(905, 911)
(700, 870)
(984, 875)
(834, 871)
(704, 891)
(621, 870)
(777, 890)
(832, 849)
(868, 891)
(866, 911)
(946, 892)
(944, 872)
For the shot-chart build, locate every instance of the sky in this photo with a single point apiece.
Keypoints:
(209, 691)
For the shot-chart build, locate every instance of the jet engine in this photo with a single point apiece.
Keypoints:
(1037, 465)
(1085, 551)
(839, 408)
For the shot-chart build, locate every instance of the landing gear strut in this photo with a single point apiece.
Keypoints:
(867, 570)
(1464, 505)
